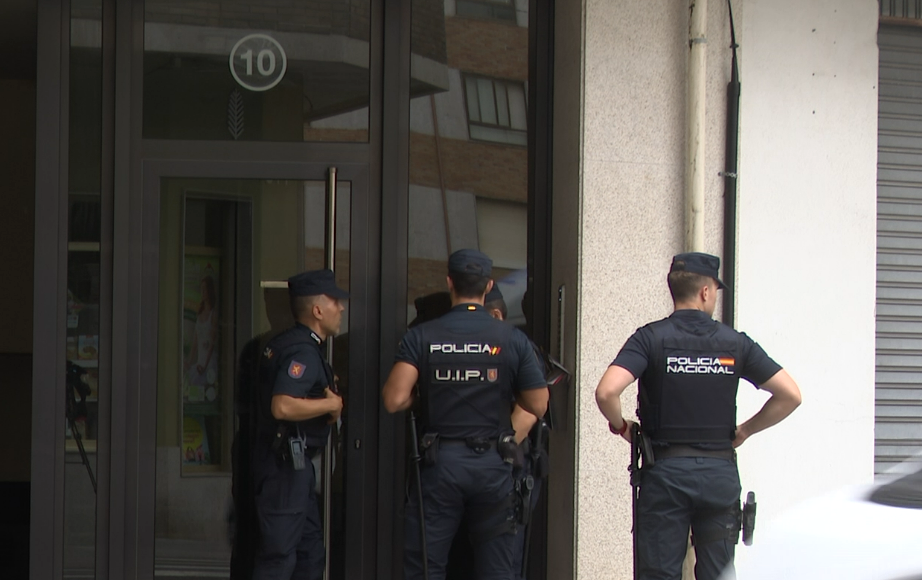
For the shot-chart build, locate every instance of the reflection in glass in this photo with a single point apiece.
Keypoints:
(468, 160)
(83, 288)
(226, 249)
(257, 71)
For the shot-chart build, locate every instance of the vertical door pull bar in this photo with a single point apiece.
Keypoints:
(561, 321)
(330, 261)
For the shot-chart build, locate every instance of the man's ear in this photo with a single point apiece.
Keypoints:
(705, 292)
(489, 286)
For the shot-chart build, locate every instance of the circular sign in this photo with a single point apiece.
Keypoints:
(258, 62)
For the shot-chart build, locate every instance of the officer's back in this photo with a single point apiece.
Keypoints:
(689, 367)
(468, 367)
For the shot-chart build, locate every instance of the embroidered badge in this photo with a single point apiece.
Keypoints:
(295, 369)
(492, 375)
(268, 353)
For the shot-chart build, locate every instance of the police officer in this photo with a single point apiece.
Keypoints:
(468, 366)
(297, 405)
(524, 424)
(689, 368)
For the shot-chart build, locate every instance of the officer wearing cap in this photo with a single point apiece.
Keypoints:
(469, 367)
(297, 404)
(689, 367)
(525, 426)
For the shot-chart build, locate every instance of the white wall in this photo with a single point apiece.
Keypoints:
(807, 239)
(806, 231)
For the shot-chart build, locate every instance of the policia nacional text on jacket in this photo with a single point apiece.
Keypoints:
(689, 368)
(468, 366)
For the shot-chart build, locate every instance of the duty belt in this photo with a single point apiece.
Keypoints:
(666, 452)
(476, 443)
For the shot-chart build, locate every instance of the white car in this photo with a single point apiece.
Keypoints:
(871, 532)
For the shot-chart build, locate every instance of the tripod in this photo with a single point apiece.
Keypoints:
(75, 384)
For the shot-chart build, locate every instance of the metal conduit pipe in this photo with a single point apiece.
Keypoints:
(695, 120)
(730, 181)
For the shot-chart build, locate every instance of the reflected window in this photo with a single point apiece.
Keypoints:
(498, 9)
(255, 71)
(468, 143)
(496, 110)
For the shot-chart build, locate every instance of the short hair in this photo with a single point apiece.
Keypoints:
(684, 285)
(469, 285)
(301, 305)
(498, 304)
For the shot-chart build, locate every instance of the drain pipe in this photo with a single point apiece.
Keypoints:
(695, 137)
(694, 153)
(730, 181)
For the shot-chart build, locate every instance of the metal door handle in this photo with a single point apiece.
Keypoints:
(330, 262)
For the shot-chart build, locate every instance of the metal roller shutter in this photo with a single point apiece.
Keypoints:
(898, 409)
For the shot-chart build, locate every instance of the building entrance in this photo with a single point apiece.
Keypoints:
(192, 157)
(226, 249)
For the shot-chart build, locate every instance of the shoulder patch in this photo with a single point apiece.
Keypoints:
(295, 369)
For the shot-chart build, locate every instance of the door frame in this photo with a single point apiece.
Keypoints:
(361, 462)
(136, 160)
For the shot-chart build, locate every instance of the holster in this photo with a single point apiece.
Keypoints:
(523, 491)
(509, 450)
(646, 450)
(641, 455)
(537, 440)
(748, 518)
(429, 449)
(280, 443)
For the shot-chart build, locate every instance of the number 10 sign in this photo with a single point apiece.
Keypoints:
(258, 62)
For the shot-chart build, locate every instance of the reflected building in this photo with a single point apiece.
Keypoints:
(469, 142)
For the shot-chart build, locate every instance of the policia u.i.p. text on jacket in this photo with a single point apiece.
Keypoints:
(468, 367)
(689, 366)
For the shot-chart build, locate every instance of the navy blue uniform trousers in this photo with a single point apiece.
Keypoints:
(461, 558)
(473, 487)
(291, 533)
(678, 494)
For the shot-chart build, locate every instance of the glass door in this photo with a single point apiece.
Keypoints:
(226, 249)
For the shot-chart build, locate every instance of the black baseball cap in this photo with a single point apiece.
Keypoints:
(430, 307)
(315, 283)
(470, 262)
(493, 295)
(698, 263)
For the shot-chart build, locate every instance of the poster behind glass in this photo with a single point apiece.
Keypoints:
(201, 382)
